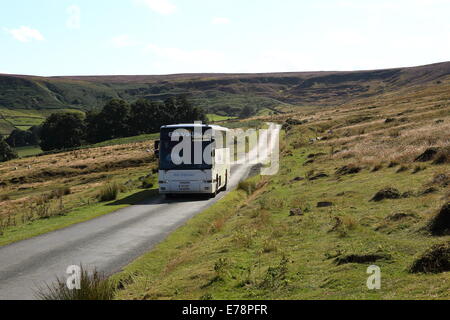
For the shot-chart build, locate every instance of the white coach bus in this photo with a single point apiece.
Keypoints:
(193, 159)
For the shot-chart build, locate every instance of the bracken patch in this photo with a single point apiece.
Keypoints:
(440, 224)
(349, 169)
(387, 193)
(427, 155)
(435, 260)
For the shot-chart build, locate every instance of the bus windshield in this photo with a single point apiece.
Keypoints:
(166, 148)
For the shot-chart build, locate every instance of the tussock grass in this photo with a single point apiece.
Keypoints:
(109, 192)
(343, 225)
(270, 245)
(94, 286)
(249, 186)
(275, 277)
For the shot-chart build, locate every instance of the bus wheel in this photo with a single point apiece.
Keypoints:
(225, 187)
(216, 192)
(213, 195)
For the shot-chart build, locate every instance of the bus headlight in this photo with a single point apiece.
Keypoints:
(163, 182)
(207, 181)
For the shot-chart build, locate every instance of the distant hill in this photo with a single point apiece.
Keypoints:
(26, 100)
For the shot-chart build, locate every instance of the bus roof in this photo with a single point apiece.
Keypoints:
(192, 125)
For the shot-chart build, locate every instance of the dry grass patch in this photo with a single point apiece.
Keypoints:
(75, 176)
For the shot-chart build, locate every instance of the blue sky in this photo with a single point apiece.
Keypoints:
(104, 37)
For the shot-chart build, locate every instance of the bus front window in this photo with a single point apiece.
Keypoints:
(167, 163)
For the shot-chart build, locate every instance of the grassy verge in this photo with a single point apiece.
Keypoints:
(82, 214)
(166, 258)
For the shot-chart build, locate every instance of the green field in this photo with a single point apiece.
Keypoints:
(28, 151)
(23, 119)
(119, 141)
(5, 128)
(217, 118)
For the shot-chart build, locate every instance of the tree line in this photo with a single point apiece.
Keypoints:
(117, 119)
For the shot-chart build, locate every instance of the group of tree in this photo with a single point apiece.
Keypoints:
(23, 138)
(247, 112)
(6, 152)
(117, 119)
(18, 138)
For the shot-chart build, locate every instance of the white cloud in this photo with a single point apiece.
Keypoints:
(74, 20)
(123, 41)
(164, 7)
(25, 34)
(220, 20)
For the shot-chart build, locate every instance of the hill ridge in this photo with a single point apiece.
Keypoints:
(220, 93)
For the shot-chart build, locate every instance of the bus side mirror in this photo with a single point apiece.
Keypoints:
(157, 148)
